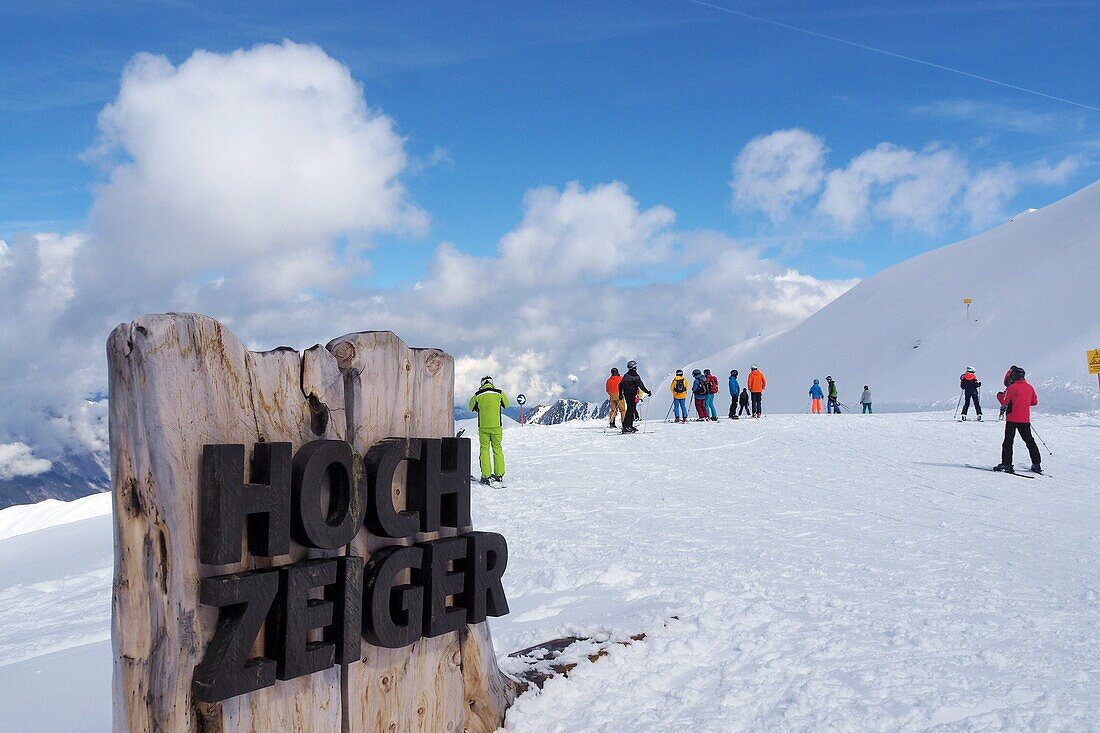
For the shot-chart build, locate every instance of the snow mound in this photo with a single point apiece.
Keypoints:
(24, 518)
(905, 332)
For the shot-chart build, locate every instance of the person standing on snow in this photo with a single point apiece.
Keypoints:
(735, 391)
(712, 392)
(816, 394)
(865, 400)
(699, 390)
(743, 400)
(489, 403)
(970, 385)
(611, 386)
(757, 384)
(1019, 397)
(629, 389)
(833, 407)
(679, 387)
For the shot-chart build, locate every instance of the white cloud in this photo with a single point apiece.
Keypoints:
(17, 459)
(775, 172)
(990, 191)
(928, 190)
(909, 188)
(259, 159)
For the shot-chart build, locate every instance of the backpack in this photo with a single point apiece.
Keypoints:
(712, 384)
(679, 385)
(701, 387)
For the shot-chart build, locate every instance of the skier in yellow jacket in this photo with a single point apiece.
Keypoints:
(489, 403)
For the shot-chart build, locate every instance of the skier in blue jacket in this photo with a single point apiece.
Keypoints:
(816, 394)
(735, 392)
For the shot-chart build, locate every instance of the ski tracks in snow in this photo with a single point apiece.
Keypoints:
(806, 572)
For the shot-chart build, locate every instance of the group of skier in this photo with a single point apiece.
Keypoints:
(704, 388)
(834, 404)
(624, 392)
(1016, 402)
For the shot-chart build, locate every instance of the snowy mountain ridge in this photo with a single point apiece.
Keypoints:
(566, 410)
(905, 332)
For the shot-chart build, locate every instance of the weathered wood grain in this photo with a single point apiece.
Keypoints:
(179, 381)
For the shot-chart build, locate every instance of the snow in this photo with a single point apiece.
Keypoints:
(904, 331)
(791, 573)
(24, 518)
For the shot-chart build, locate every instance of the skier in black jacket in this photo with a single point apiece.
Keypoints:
(628, 390)
(970, 385)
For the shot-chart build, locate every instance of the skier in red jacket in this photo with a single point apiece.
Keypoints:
(1019, 397)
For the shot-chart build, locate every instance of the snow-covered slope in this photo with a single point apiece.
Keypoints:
(1034, 282)
(873, 583)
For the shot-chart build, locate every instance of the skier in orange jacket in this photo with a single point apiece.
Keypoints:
(757, 383)
(618, 404)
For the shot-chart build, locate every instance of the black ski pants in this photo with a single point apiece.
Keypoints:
(756, 402)
(744, 409)
(977, 405)
(631, 410)
(1024, 429)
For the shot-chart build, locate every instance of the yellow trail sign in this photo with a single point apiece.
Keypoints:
(1094, 361)
(968, 301)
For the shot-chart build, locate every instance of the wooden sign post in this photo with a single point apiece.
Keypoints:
(184, 391)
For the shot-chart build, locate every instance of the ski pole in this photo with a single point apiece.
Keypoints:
(645, 420)
(669, 410)
(1033, 432)
(959, 404)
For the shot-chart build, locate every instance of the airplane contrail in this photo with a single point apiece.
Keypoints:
(891, 54)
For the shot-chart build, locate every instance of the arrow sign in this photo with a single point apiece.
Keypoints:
(521, 399)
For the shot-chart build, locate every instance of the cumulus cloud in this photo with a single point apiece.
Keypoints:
(256, 161)
(913, 189)
(549, 314)
(775, 172)
(17, 459)
(234, 184)
(925, 190)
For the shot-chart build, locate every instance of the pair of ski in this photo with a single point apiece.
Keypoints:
(497, 484)
(1017, 472)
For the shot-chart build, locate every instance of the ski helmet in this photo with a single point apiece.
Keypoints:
(614, 372)
(1017, 373)
(631, 364)
(486, 380)
(828, 379)
(735, 372)
(679, 372)
(706, 371)
(696, 373)
(970, 370)
(753, 366)
(816, 381)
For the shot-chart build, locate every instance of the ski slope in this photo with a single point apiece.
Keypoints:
(904, 331)
(792, 573)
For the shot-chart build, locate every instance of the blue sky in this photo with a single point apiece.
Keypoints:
(499, 98)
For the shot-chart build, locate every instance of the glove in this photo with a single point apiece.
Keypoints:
(1000, 394)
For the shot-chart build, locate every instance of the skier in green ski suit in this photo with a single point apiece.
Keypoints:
(489, 403)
